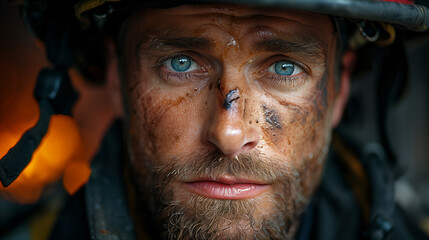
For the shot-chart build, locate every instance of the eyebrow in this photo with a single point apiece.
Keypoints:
(167, 44)
(309, 48)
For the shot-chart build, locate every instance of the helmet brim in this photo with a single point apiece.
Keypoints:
(407, 16)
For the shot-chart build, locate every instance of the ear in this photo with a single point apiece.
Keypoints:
(348, 62)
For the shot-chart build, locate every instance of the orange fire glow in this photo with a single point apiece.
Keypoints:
(71, 142)
(60, 152)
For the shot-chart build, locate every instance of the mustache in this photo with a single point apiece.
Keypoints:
(210, 218)
(213, 164)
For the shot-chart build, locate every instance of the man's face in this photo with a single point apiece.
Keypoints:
(230, 113)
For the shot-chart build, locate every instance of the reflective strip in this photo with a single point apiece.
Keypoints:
(400, 1)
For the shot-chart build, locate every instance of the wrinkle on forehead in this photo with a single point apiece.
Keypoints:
(234, 13)
(171, 41)
(234, 10)
(292, 26)
(234, 22)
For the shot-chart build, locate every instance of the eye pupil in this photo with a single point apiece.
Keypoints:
(181, 63)
(284, 68)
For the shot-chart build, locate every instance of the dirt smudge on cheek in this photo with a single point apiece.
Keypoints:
(144, 121)
(150, 112)
(320, 97)
(301, 139)
(272, 126)
(290, 129)
(271, 117)
(296, 113)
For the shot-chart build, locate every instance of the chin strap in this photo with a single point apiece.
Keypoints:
(53, 92)
(376, 161)
(55, 95)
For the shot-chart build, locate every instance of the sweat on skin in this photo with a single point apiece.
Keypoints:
(228, 147)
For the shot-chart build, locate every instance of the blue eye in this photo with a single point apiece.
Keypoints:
(285, 68)
(181, 64)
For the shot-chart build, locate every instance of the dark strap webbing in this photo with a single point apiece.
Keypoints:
(55, 95)
(17, 158)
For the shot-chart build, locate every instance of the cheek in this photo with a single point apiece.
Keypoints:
(301, 143)
(297, 125)
(163, 123)
(300, 134)
(294, 131)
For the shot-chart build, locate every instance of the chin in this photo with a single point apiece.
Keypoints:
(203, 218)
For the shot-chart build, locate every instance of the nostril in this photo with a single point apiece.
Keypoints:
(249, 146)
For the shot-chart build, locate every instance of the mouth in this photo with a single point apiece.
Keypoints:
(227, 188)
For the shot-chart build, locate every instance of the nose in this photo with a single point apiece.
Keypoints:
(228, 130)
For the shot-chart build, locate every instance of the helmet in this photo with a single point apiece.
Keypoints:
(403, 13)
(71, 31)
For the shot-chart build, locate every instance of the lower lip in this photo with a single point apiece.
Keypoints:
(219, 190)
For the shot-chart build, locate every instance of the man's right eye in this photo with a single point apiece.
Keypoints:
(181, 64)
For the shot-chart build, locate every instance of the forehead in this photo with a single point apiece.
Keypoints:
(238, 21)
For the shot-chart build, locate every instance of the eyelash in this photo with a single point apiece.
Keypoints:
(160, 61)
(289, 81)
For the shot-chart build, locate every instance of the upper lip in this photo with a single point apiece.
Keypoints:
(228, 180)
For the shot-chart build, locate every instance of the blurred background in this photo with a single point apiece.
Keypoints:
(22, 57)
(409, 132)
(60, 165)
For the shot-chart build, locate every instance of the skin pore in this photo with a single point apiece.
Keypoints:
(230, 114)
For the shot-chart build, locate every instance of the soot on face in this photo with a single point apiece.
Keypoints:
(271, 117)
(230, 97)
(320, 100)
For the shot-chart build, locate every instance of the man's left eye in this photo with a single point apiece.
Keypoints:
(285, 68)
(181, 64)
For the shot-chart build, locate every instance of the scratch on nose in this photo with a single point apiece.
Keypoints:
(230, 97)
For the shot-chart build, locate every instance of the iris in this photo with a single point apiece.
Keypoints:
(284, 68)
(181, 63)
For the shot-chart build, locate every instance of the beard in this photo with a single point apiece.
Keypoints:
(205, 218)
